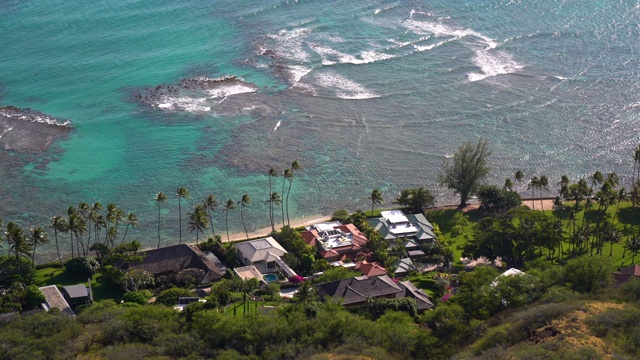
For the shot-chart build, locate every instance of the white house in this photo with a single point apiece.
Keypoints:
(264, 254)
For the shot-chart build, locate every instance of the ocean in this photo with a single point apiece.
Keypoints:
(210, 95)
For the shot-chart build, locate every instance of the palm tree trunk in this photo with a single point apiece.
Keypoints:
(55, 232)
(180, 218)
(242, 217)
(71, 241)
(33, 254)
(282, 203)
(125, 234)
(287, 201)
(213, 231)
(158, 224)
(226, 222)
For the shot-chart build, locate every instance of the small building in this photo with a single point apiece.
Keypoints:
(334, 241)
(370, 269)
(357, 290)
(53, 298)
(626, 273)
(77, 295)
(261, 253)
(413, 229)
(404, 267)
(172, 259)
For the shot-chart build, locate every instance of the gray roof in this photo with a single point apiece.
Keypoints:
(179, 257)
(404, 266)
(76, 291)
(359, 289)
(422, 299)
(54, 299)
(423, 232)
(261, 249)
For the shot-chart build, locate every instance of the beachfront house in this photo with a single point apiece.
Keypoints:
(265, 254)
(171, 260)
(53, 299)
(335, 241)
(413, 229)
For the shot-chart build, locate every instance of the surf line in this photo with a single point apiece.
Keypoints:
(277, 125)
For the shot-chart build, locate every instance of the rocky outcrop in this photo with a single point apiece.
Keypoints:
(29, 131)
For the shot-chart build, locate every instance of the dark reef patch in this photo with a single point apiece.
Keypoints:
(29, 131)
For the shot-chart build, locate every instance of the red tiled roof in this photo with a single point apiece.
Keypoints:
(310, 237)
(370, 269)
(358, 237)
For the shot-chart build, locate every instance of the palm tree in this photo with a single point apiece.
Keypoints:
(508, 184)
(211, 203)
(287, 174)
(182, 192)
(58, 223)
(533, 185)
(160, 198)
(543, 184)
(277, 200)
(564, 187)
(18, 242)
(305, 292)
(198, 220)
(244, 202)
(633, 245)
(71, 222)
(230, 205)
(110, 218)
(404, 198)
(635, 178)
(295, 166)
(272, 173)
(519, 176)
(132, 220)
(376, 199)
(37, 235)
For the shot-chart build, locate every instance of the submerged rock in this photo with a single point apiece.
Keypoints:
(29, 131)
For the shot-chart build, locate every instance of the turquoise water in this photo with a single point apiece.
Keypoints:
(269, 278)
(368, 94)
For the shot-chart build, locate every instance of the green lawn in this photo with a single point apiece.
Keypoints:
(60, 277)
(457, 228)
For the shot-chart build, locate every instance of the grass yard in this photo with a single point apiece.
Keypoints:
(60, 277)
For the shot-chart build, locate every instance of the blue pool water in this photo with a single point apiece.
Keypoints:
(269, 278)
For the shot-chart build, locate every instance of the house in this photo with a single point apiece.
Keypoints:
(172, 259)
(53, 298)
(510, 272)
(404, 267)
(370, 269)
(626, 273)
(76, 295)
(265, 254)
(356, 291)
(334, 241)
(413, 229)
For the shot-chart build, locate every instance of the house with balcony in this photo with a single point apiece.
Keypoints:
(265, 254)
(413, 229)
(334, 240)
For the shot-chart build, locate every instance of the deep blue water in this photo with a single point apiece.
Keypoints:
(367, 94)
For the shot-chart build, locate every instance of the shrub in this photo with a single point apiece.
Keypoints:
(341, 215)
(83, 266)
(139, 297)
(588, 274)
(189, 277)
(170, 297)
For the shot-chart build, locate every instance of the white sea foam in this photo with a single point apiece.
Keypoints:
(230, 89)
(331, 56)
(298, 72)
(492, 63)
(277, 125)
(344, 88)
(442, 30)
(432, 46)
(192, 105)
(289, 43)
(34, 117)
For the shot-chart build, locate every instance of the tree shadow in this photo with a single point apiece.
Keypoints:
(629, 216)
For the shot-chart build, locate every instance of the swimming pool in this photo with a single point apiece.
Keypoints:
(269, 278)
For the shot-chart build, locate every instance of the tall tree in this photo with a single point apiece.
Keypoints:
(376, 199)
(519, 176)
(198, 220)
(468, 169)
(132, 220)
(230, 205)
(37, 235)
(244, 202)
(274, 199)
(295, 166)
(71, 223)
(17, 242)
(508, 184)
(286, 175)
(182, 192)
(421, 198)
(633, 245)
(211, 203)
(272, 173)
(543, 184)
(160, 198)
(58, 223)
(534, 183)
(635, 177)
